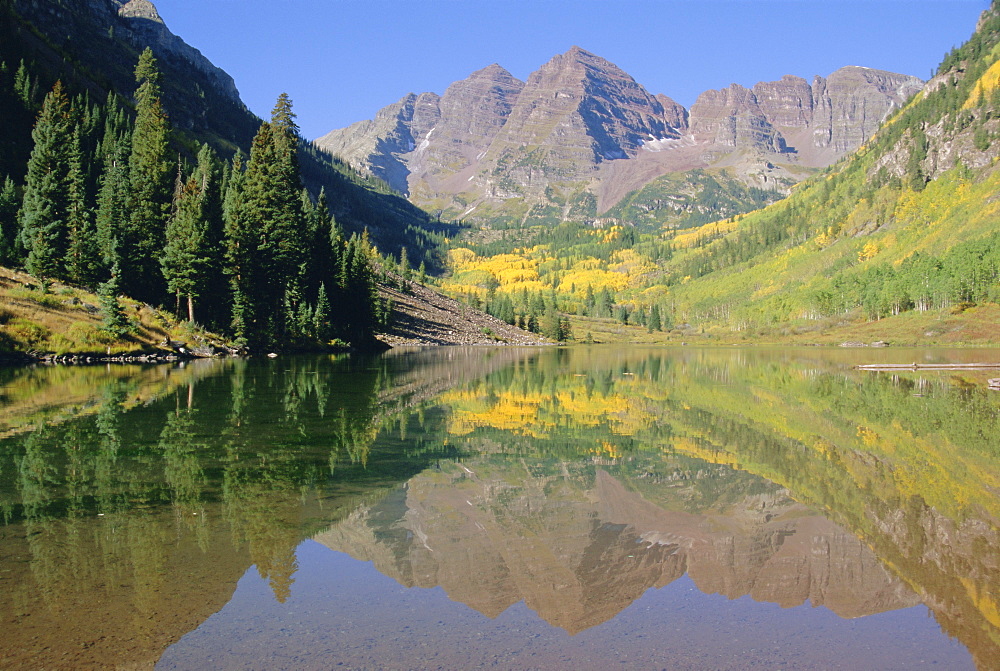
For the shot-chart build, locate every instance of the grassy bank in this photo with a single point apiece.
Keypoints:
(67, 320)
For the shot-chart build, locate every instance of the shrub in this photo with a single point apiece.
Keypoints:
(60, 344)
(28, 333)
(84, 334)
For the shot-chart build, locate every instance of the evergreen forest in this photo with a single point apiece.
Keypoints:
(240, 246)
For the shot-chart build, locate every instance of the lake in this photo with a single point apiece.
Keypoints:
(537, 508)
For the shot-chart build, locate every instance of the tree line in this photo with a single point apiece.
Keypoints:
(112, 202)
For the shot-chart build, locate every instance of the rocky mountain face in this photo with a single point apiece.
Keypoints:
(135, 21)
(580, 134)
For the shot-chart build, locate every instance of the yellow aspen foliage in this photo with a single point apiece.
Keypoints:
(692, 236)
(460, 256)
(596, 279)
(870, 251)
(985, 85)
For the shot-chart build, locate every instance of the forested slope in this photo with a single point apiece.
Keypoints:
(137, 171)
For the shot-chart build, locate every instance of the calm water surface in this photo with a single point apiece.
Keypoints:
(453, 508)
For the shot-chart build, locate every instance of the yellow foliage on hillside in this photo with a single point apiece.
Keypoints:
(595, 278)
(630, 263)
(460, 256)
(692, 236)
(989, 81)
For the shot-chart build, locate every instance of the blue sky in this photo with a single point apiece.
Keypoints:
(342, 60)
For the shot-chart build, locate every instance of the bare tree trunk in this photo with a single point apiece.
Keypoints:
(191, 308)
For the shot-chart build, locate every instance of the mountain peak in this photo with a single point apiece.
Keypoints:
(493, 72)
(140, 9)
(581, 120)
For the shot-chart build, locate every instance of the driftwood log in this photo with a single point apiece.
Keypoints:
(928, 366)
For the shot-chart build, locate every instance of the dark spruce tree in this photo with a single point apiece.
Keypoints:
(215, 293)
(112, 200)
(83, 261)
(150, 188)
(267, 233)
(10, 203)
(45, 209)
(192, 255)
(185, 259)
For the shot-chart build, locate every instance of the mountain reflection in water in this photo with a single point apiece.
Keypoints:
(571, 480)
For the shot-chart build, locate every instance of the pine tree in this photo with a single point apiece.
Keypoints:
(239, 252)
(150, 187)
(115, 321)
(288, 224)
(550, 326)
(653, 323)
(360, 311)
(323, 263)
(322, 327)
(112, 200)
(45, 209)
(404, 265)
(214, 293)
(25, 87)
(565, 332)
(185, 260)
(10, 203)
(268, 228)
(83, 262)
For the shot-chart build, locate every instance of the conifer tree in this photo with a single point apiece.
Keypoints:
(83, 261)
(325, 246)
(239, 250)
(115, 321)
(112, 200)
(10, 203)
(185, 259)
(45, 209)
(150, 187)
(26, 87)
(322, 327)
(215, 294)
(653, 323)
(360, 309)
(288, 225)
(404, 265)
(268, 227)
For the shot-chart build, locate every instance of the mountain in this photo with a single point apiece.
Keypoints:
(907, 226)
(580, 134)
(93, 47)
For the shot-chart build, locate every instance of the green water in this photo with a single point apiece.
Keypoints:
(515, 508)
